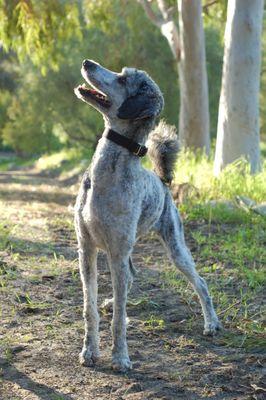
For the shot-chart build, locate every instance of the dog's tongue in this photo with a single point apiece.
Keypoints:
(92, 91)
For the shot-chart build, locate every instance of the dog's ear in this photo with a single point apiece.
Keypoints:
(136, 107)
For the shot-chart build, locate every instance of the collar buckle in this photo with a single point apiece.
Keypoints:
(129, 144)
(138, 151)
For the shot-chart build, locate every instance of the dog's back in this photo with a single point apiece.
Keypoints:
(119, 199)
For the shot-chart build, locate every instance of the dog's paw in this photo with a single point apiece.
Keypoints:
(88, 358)
(121, 364)
(212, 328)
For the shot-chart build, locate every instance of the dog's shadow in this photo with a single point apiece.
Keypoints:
(147, 381)
(44, 392)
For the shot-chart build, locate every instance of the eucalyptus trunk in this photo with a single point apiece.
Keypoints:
(238, 121)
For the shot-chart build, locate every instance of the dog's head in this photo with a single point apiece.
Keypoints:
(127, 96)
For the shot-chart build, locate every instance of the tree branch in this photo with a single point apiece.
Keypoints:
(163, 9)
(206, 6)
(171, 11)
(165, 23)
(155, 19)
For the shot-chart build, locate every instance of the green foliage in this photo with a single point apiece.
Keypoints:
(45, 114)
(215, 13)
(7, 86)
(28, 132)
(4, 104)
(38, 29)
(39, 113)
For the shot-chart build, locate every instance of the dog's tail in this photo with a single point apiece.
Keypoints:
(163, 147)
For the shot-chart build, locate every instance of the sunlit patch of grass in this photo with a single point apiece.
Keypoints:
(7, 163)
(197, 170)
(27, 303)
(64, 160)
(230, 253)
(154, 323)
(219, 213)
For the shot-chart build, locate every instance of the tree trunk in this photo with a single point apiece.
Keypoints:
(194, 121)
(238, 121)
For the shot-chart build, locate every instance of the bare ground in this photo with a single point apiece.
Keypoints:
(41, 327)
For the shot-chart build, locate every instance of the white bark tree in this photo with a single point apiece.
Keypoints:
(194, 123)
(188, 49)
(238, 121)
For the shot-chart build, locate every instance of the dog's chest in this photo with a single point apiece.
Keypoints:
(110, 218)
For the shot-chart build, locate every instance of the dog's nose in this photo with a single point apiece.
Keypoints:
(87, 64)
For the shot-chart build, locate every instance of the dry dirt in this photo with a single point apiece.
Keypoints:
(41, 327)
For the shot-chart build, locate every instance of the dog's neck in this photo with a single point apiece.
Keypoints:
(110, 161)
(136, 130)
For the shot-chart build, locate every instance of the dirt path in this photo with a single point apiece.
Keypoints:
(41, 327)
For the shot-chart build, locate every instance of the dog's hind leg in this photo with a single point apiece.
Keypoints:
(120, 271)
(88, 272)
(170, 230)
(107, 304)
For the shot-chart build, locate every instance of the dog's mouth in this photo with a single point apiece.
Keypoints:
(93, 94)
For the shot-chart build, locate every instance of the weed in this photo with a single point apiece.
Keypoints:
(255, 277)
(154, 323)
(28, 304)
(183, 341)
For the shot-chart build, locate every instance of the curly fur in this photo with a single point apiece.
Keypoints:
(119, 201)
(163, 147)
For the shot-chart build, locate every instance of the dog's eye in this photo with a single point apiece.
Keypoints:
(122, 80)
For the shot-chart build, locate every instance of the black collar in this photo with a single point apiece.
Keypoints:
(134, 147)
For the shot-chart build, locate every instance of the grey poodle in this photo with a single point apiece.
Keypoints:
(119, 200)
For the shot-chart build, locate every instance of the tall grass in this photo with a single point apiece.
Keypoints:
(197, 170)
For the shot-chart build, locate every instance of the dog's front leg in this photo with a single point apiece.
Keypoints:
(88, 273)
(120, 279)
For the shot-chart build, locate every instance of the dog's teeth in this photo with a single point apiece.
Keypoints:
(83, 86)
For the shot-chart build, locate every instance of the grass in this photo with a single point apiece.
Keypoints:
(65, 160)
(228, 243)
(12, 161)
(232, 258)
(154, 323)
(4, 235)
(73, 159)
(197, 170)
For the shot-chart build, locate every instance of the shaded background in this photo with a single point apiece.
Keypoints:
(38, 110)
